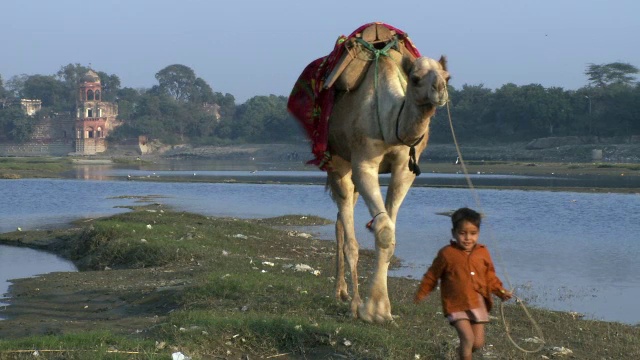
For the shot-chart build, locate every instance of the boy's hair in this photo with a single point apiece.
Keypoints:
(465, 214)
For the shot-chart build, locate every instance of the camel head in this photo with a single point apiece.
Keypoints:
(428, 81)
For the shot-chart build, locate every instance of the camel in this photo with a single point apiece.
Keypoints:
(372, 130)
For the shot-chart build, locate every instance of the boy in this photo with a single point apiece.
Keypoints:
(467, 280)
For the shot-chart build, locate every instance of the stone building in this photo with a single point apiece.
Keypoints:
(82, 133)
(94, 118)
(29, 106)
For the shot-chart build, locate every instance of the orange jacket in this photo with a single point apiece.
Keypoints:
(462, 275)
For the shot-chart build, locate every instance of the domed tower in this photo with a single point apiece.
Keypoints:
(94, 117)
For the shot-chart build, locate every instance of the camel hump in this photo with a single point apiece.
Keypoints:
(357, 54)
(377, 33)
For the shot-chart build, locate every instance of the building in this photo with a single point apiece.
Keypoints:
(66, 134)
(94, 118)
(29, 107)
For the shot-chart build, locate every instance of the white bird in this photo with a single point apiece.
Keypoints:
(19, 229)
(457, 160)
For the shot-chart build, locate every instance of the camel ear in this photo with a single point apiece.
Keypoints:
(443, 62)
(415, 79)
(407, 63)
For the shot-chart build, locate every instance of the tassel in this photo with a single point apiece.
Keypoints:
(370, 223)
(413, 163)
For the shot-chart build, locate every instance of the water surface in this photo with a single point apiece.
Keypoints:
(12, 266)
(560, 250)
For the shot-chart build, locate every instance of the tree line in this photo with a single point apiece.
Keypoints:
(608, 106)
(183, 108)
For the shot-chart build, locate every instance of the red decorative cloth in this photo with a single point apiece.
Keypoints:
(311, 104)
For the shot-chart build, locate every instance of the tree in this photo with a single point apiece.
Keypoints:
(260, 119)
(15, 125)
(46, 88)
(177, 81)
(277, 122)
(615, 111)
(127, 98)
(227, 105)
(200, 125)
(110, 85)
(613, 73)
(555, 116)
(15, 85)
(3, 92)
(70, 76)
(507, 115)
(201, 92)
(469, 107)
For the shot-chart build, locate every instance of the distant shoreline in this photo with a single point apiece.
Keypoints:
(602, 176)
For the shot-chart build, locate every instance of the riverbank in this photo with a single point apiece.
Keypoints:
(155, 282)
(482, 163)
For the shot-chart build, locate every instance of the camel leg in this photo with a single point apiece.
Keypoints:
(342, 291)
(377, 307)
(343, 192)
(399, 184)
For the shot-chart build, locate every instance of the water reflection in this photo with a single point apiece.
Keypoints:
(215, 171)
(92, 172)
(13, 260)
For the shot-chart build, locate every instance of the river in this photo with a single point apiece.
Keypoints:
(559, 250)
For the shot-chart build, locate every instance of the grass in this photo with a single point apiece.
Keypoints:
(33, 167)
(89, 345)
(633, 167)
(234, 292)
(130, 161)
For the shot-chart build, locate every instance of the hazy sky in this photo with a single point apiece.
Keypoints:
(248, 48)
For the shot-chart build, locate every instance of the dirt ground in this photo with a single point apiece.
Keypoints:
(125, 301)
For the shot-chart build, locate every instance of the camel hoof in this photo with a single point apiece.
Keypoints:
(343, 296)
(363, 315)
(384, 238)
(384, 318)
(368, 317)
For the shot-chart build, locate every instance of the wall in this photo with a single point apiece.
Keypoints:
(52, 136)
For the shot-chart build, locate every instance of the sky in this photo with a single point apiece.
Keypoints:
(258, 48)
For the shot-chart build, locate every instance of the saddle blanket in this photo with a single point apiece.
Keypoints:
(311, 103)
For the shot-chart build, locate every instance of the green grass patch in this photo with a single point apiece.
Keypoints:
(95, 345)
(228, 288)
(130, 161)
(633, 167)
(36, 167)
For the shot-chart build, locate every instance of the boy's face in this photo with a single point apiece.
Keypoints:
(466, 235)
